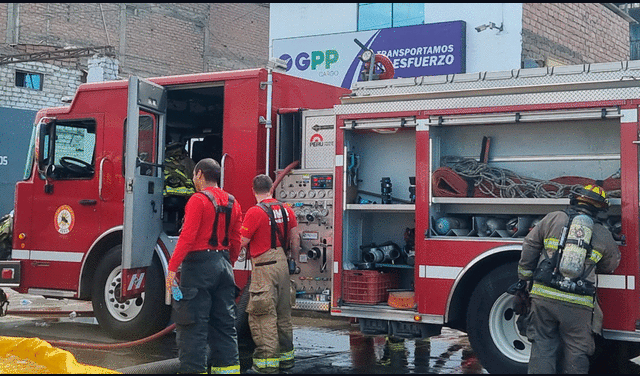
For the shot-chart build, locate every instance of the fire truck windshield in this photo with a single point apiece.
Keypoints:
(30, 154)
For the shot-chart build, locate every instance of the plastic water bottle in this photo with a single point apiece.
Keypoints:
(177, 294)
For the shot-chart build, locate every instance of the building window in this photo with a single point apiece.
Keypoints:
(29, 80)
(381, 15)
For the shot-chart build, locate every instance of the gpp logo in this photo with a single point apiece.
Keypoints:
(303, 60)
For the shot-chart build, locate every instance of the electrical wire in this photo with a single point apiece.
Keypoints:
(503, 183)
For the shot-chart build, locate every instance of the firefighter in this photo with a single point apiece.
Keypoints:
(178, 167)
(204, 302)
(266, 229)
(559, 263)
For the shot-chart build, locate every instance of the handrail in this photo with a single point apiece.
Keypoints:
(100, 179)
(222, 164)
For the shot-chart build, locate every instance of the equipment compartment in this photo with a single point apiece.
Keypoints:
(379, 188)
(531, 170)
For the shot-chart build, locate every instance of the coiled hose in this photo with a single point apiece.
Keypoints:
(503, 183)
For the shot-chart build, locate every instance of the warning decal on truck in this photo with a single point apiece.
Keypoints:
(64, 219)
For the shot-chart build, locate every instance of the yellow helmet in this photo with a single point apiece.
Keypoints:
(593, 195)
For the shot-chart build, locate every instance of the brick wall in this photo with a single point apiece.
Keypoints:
(151, 39)
(239, 36)
(57, 83)
(3, 22)
(102, 68)
(573, 33)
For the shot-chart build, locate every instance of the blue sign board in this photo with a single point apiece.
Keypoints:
(420, 50)
(15, 132)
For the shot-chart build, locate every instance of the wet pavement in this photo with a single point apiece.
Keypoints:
(324, 344)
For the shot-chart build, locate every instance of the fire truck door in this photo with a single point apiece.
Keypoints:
(65, 215)
(144, 179)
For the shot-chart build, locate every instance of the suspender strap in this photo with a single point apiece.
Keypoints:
(219, 209)
(268, 208)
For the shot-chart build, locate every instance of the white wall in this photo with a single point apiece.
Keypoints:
(288, 20)
(488, 50)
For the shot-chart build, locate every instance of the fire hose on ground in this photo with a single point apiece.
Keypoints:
(164, 366)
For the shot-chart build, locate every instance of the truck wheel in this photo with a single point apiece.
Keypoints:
(491, 324)
(134, 318)
(245, 341)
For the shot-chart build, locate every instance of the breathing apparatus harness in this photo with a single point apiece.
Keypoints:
(548, 271)
(220, 209)
(589, 200)
(284, 238)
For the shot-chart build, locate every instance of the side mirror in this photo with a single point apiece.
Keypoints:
(46, 132)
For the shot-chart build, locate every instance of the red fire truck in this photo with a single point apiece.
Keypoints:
(90, 220)
(404, 226)
(438, 180)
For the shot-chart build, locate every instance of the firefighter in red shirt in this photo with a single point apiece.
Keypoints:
(208, 246)
(267, 228)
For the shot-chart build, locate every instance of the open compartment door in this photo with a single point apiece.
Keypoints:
(144, 180)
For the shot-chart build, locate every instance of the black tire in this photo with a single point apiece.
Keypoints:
(135, 318)
(245, 341)
(491, 324)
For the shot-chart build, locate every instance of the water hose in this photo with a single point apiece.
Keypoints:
(82, 345)
(500, 182)
(281, 176)
(168, 366)
(112, 346)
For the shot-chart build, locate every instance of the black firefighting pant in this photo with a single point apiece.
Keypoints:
(559, 327)
(206, 313)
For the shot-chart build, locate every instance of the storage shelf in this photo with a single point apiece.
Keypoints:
(401, 266)
(515, 206)
(508, 201)
(383, 207)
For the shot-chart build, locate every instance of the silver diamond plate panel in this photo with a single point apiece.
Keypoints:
(311, 305)
(515, 77)
(491, 101)
(320, 136)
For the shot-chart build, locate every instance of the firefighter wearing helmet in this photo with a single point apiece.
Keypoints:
(560, 258)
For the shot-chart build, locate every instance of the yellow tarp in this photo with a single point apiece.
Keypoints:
(33, 355)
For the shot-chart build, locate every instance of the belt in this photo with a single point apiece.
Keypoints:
(198, 255)
(265, 263)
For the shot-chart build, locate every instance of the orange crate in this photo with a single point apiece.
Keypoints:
(367, 286)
